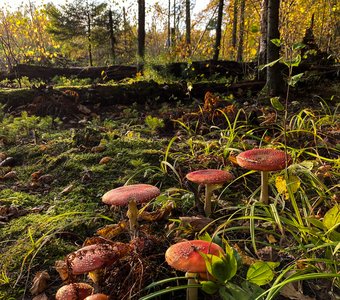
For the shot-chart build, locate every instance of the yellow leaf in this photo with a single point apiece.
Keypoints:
(281, 185)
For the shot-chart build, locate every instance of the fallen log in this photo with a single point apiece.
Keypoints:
(138, 92)
(117, 72)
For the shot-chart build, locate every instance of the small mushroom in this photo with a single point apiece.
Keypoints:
(74, 291)
(186, 257)
(91, 259)
(264, 160)
(131, 195)
(212, 179)
(97, 297)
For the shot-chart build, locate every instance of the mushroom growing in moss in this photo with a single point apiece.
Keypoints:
(91, 259)
(212, 179)
(74, 291)
(264, 160)
(131, 195)
(186, 257)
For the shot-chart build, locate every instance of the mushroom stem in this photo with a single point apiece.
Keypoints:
(264, 187)
(207, 202)
(192, 293)
(132, 214)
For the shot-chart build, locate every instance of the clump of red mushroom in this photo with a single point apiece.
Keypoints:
(212, 179)
(264, 160)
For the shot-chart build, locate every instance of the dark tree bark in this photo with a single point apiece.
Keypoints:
(262, 57)
(234, 32)
(89, 39)
(112, 37)
(141, 33)
(274, 82)
(187, 23)
(218, 30)
(241, 32)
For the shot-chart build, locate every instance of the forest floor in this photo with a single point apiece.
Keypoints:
(56, 163)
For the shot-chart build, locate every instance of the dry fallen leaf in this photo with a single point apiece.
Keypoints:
(159, 214)
(67, 189)
(10, 175)
(112, 230)
(99, 148)
(289, 291)
(41, 296)
(61, 268)
(105, 160)
(39, 283)
(247, 260)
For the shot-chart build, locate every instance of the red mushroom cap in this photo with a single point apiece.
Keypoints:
(97, 297)
(263, 159)
(210, 176)
(74, 291)
(123, 195)
(96, 256)
(185, 256)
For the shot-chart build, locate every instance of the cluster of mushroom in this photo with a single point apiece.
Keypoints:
(183, 256)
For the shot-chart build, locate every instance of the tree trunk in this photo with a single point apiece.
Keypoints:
(89, 40)
(241, 32)
(169, 25)
(188, 24)
(234, 32)
(112, 37)
(262, 56)
(173, 29)
(218, 30)
(274, 82)
(141, 33)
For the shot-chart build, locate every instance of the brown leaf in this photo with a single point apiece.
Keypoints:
(197, 223)
(271, 239)
(291, 292)
(99, 148)
(247, 260)
(47, 178)
(10, 175)
(61, 268)
(97, 240)
(36, 175)
(157, 215)
(41, 296)
(105, 160)
(112, 230)
(39, 282)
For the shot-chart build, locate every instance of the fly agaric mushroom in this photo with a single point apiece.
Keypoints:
(97, 297)
(211, 178)
(186, 257)
(91, 259)
(264, 160)
(74, 291)
(131, 195)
